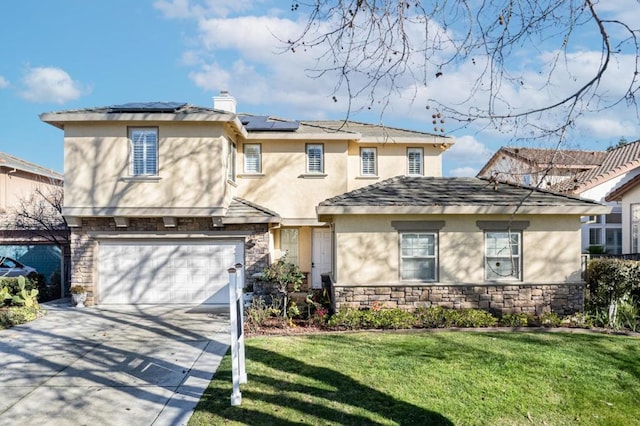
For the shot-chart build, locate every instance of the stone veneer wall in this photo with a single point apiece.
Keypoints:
(563, 299)
(82, 245)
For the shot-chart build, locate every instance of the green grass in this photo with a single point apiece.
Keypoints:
(461, 378)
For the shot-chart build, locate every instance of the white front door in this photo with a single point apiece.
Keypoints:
(320, 255)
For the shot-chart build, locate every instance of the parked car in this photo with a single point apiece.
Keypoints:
(12, 268)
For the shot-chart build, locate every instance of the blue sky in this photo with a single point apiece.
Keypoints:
(75, 54)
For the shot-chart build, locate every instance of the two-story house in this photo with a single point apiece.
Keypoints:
(164, 197)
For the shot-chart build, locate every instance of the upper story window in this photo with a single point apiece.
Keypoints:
(144, 151)
(231, 162)
(414, 162)
(368, 165)
(503, 255)
(252, 158)
(315, 158)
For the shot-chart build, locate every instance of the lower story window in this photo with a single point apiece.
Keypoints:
(418, 259)
(289, 244)
(502, 256)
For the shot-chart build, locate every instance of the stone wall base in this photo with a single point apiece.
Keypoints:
(562, 299)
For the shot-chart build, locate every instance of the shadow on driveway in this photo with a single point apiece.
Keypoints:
(120, 365)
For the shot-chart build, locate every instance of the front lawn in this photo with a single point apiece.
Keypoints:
(460, 378)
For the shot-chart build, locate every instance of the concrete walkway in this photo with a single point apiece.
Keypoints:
(124, 365)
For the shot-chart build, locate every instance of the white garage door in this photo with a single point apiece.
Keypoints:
(166, 272)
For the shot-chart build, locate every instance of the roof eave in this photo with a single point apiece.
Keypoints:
(586, 210)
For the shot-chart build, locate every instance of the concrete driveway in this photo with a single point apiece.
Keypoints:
(124, 365)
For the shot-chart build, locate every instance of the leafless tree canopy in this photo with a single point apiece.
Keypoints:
(381, 48)
(41, 213)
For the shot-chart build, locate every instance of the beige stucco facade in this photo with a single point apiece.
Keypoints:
(285, 186)
(367, 249)
(191, 179)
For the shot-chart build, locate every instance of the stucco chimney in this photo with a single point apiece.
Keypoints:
(224, 102)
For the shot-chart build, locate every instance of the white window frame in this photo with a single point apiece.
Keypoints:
(252, 160)
(412, 170)
(495, 260)
(595, 236)
(290, 244)
(231, 162)
(415, 255)
(143, 151)
(313, 165)
(368, 166)
(635, 227)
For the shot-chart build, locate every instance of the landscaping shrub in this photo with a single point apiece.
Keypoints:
(520, 319)
(549, 319)
(394, 318)
(609, 283)
(13, 286)
(284, 277)
(433, 317)
(578, 320)
(438, 317)
(347, 318)
(15, 315)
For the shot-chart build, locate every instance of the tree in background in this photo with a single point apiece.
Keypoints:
(516, 67)
(40, 213)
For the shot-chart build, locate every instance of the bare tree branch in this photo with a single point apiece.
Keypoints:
(377, 49)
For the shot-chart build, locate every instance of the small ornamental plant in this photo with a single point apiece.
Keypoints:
(77, 289)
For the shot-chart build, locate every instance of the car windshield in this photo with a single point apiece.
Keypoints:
(8, 263)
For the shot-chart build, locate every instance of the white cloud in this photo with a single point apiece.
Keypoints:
(463, 172)
(468, 150)
(50, 84)
(3, 82)
(185, 9)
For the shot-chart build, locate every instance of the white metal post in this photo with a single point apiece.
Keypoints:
(240, 276)
(236, 396)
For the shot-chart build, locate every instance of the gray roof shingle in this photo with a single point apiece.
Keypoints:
(243, 211)
(403, 191)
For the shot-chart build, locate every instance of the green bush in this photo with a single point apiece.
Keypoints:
(347, 318)
(610, 279)
(577, 320)
(433, 317)
(609, 283)
(13, 285)
(394, 318)
(627, 315)
(15, 315)
(438, 317)
(520, 319)
(550, 319)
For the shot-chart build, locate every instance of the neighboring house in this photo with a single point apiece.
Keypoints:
(592, 175)
(20, 185)
(541, 168)
(164, 197)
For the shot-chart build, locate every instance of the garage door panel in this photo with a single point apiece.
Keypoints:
(166, 272)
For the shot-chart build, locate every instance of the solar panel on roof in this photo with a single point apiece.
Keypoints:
(148, 107)
(263, 123)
